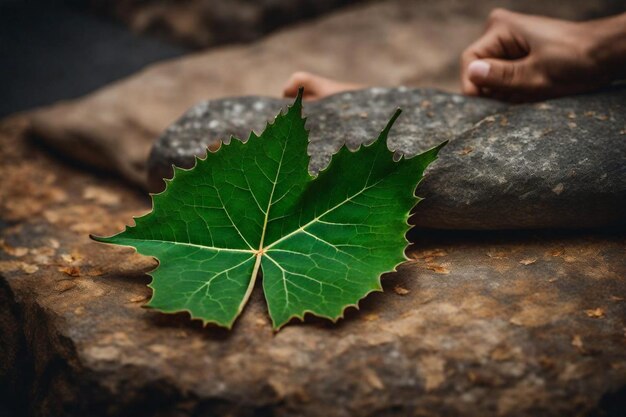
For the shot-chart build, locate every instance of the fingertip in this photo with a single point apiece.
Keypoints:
(290, 89)
(467, 87)
(471, 90)
(478, 70)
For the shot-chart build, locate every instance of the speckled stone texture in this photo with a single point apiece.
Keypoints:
(558, 164)
(473, 324)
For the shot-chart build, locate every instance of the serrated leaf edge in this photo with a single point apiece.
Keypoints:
(258, 256)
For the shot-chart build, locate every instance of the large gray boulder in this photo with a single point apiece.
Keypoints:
(558, 164)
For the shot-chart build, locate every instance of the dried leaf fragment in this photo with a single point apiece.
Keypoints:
(72, 271)
(528, 261)
(398, 289)
(595, 313)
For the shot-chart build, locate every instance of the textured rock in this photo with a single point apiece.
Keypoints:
(430, 117)
(396, 42)
(478, 324)
(558, 164)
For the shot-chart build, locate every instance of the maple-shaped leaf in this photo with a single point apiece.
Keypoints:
(321, 243)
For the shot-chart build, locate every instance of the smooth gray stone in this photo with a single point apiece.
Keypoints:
(429, 117)
(558, 164)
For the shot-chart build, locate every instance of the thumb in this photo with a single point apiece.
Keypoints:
(499, 73)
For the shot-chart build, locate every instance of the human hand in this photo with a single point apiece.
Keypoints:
(315, 87)
(526, 58)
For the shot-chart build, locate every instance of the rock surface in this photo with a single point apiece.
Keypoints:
(558, 164)
(414, 43)
(515, 324)
(429, 118)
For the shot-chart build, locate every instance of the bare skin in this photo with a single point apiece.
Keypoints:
(315, 86)
(523, 58)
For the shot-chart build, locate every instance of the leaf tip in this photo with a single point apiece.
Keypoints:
(100, 239)
(298, 100)
(393, 119)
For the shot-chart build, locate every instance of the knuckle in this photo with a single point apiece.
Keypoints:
(510, 73)
(498, 14)
(539, 82)
(300, 76)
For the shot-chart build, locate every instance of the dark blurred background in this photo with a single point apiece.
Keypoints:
(54, 50)
(60, 49)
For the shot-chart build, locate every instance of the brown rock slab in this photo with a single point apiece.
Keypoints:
(203, 23)
(415, 43)
(485, 324)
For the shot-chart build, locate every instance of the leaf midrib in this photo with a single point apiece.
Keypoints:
(259, 252)
(317, 218)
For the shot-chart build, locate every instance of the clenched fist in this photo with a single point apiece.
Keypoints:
(525, 58)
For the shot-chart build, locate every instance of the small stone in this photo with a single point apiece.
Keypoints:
(528, 261)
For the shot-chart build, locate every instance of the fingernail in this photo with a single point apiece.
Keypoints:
(478, 69)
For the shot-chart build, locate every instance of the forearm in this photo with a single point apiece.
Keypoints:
(608, 46)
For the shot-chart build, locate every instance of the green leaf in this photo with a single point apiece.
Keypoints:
(320, 243)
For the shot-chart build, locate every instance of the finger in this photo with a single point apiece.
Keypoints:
(297, 80)
(498, 42)
(486, 46)
(290, 89)
(467, 87)
(498, 74)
